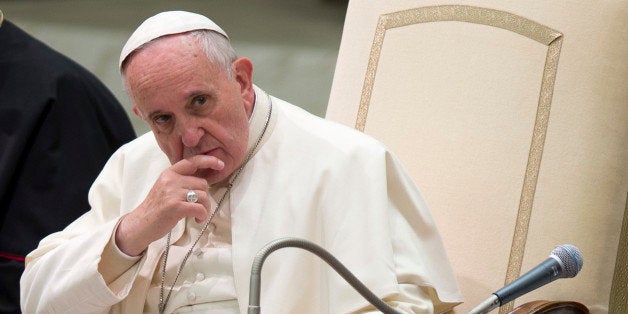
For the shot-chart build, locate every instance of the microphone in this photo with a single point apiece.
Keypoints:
(565, 261)
(258, 262)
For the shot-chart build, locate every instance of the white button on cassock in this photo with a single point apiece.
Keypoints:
(191, 296)
(200, 277)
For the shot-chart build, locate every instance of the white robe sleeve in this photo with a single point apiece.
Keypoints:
(61, 275)
(406, 237)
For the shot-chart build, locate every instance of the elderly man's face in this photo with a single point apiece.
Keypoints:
(192, 106)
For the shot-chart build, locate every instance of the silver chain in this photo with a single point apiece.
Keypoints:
(162, 302)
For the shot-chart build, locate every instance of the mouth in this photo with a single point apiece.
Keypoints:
(211, 152)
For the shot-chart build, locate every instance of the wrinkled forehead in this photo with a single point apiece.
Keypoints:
(163, 24)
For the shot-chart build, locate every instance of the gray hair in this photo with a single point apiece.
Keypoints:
(216, 47)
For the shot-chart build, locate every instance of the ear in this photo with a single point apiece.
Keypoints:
(137, 112)
(243, 75)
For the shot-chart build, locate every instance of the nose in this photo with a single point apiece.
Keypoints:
(191, 133)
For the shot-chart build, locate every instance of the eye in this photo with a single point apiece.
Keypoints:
(199, 101)
(162, 123)
(161, 119)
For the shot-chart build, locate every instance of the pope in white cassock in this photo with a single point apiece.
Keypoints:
(178, 214)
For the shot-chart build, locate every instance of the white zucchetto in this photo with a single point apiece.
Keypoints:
(167, 23)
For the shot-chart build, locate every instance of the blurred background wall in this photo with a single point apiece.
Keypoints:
(293, 44)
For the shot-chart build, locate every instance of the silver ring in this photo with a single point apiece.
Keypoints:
(191, 197)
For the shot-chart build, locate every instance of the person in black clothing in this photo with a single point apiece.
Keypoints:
(58, 126)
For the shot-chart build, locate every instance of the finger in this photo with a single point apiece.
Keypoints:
(192, 183)
(194, 210)
(199, 209)
(189, 166)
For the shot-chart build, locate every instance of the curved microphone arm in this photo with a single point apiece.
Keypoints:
(256, 271)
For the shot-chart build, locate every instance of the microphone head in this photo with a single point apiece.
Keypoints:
(570, 258)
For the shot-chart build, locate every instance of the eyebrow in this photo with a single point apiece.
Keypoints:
(153, 114)
(192, 95)
(195, 93)
(189, 96)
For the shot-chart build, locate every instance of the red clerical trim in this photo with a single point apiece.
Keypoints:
(12, 257)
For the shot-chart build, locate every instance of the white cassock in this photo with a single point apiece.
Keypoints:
(310, 178)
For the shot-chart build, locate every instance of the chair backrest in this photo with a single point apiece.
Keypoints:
(512, 118)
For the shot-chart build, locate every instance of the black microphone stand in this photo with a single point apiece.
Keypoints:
(256, 271)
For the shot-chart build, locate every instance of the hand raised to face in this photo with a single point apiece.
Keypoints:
(166, 204)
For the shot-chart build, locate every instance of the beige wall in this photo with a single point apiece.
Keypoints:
(293, 44)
